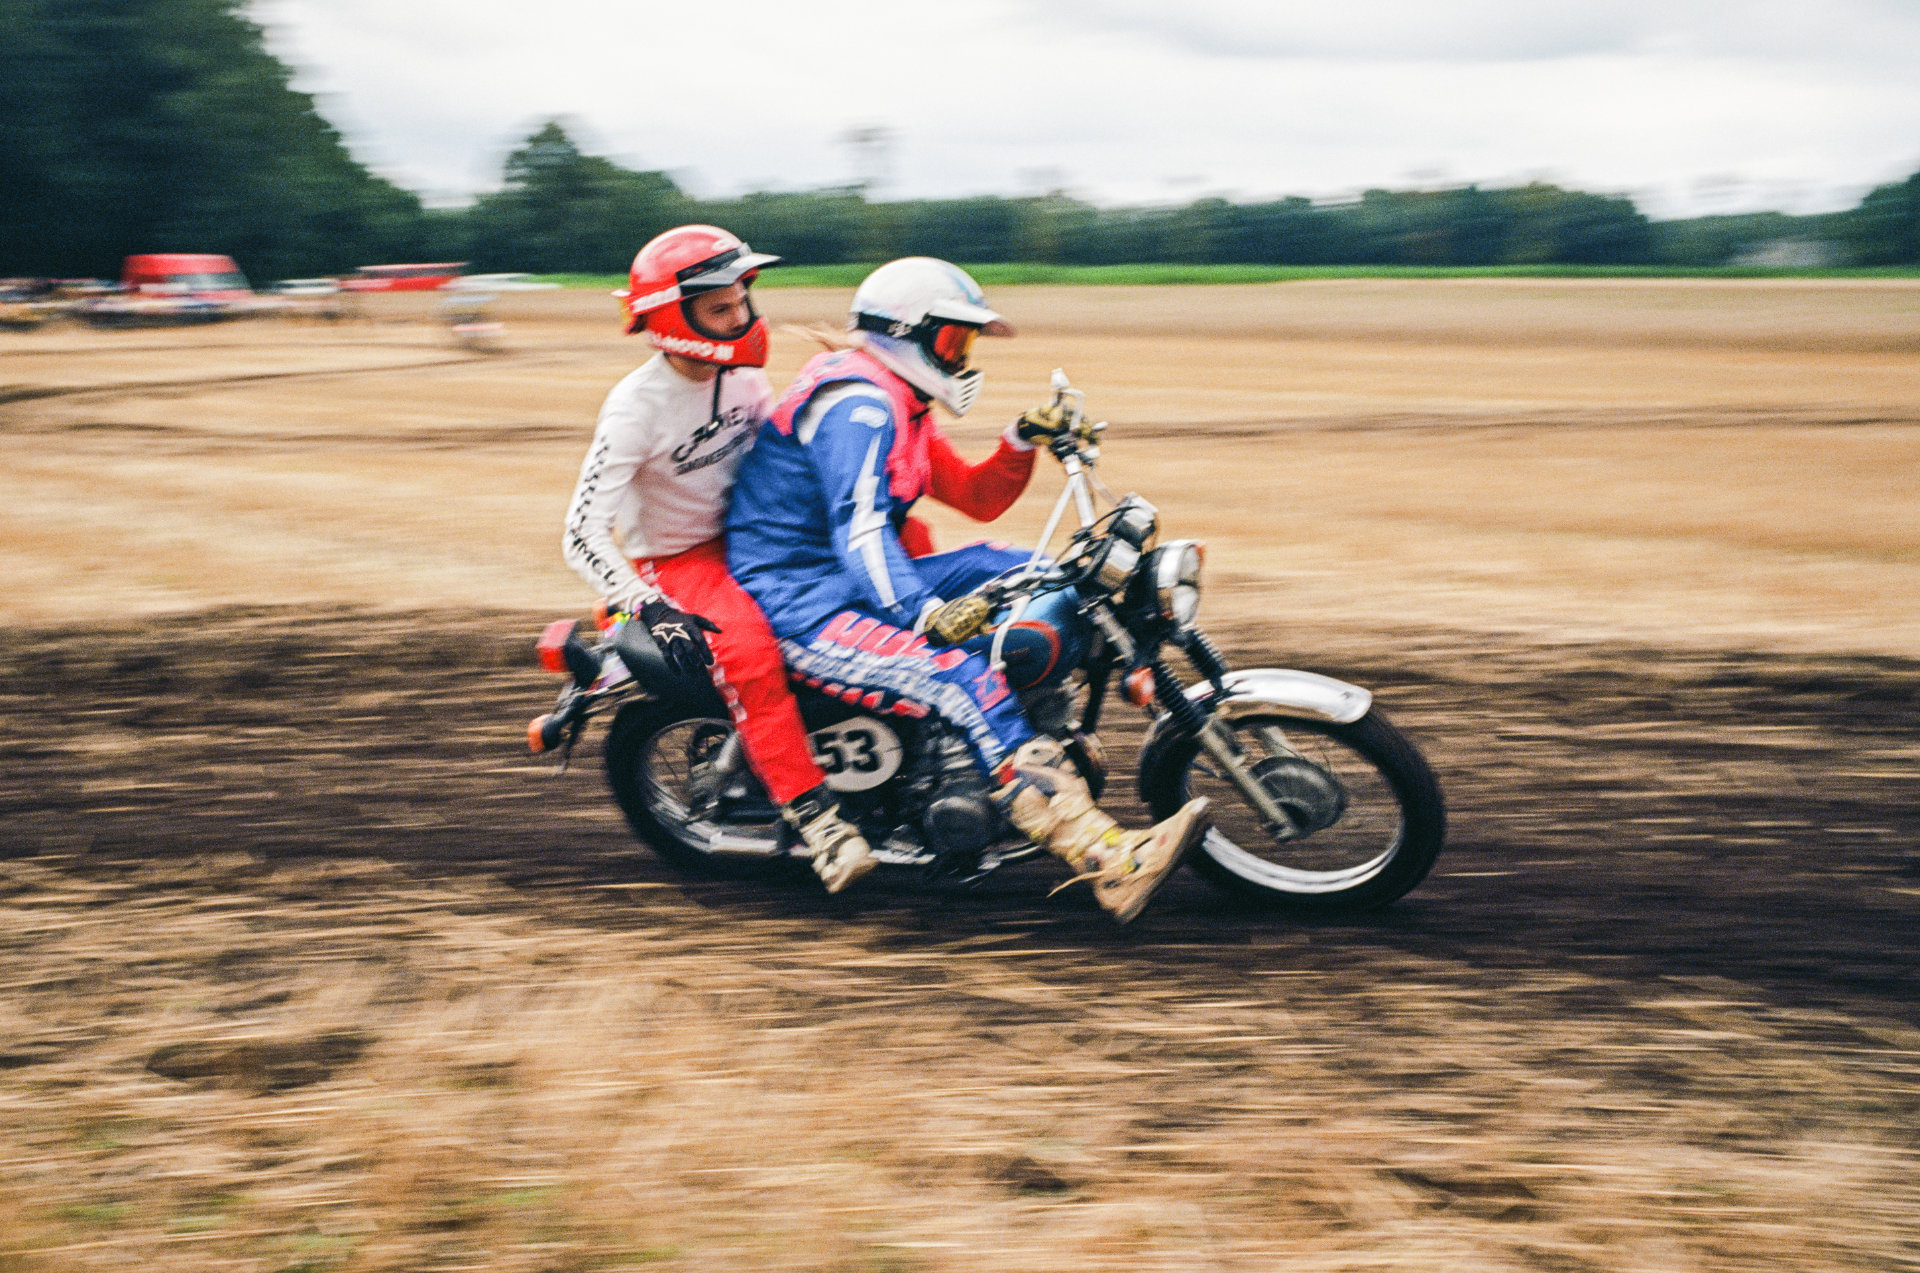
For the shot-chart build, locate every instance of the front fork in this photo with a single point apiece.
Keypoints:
(1217, 740)
(1214, 735)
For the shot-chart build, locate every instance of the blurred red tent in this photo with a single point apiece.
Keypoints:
(403, 278)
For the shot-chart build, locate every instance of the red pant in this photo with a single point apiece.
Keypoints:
(747, 669)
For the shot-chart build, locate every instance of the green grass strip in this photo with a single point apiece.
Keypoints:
(1013, 275)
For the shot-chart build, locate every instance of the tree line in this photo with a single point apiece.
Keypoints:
(166, 125)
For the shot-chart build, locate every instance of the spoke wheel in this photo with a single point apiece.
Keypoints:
(659, 763)
(1365, 813)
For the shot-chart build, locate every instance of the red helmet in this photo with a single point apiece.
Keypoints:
(683, 263)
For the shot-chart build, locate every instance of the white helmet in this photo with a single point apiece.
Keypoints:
(920, 316)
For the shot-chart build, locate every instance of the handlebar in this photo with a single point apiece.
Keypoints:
(1080, 433)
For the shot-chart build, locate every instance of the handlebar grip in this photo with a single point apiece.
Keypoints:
(562, 651)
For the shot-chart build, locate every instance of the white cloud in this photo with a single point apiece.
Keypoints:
(1364, 30)
(1133, 100)
(1491, 31)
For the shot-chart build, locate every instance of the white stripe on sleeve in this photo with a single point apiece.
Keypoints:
(865, 526)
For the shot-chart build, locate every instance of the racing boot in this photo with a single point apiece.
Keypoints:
(1045, 796)
(840, 853)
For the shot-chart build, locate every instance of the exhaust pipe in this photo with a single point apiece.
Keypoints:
(733, 844)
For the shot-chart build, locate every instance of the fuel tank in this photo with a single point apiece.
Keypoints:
(1044, 642)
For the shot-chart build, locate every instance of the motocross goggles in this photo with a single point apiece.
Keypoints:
(948, 344)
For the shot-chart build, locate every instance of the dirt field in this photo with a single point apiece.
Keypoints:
(307, 967)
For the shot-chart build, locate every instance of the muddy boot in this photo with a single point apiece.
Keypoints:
(840, 854)
(1046, 797)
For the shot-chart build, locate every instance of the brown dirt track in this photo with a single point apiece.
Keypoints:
(307, 967)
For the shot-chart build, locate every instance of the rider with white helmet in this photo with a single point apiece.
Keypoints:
(819, 534)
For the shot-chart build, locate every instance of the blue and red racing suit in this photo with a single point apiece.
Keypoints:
(815, 531)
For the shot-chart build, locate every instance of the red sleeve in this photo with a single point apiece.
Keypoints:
(982, 491)
(916, 537)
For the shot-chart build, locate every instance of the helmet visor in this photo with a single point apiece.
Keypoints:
(723, 270)
(951, 346)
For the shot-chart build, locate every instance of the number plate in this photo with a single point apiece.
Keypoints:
(857, 754)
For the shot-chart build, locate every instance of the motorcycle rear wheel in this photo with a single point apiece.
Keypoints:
(1370, 809)
(653, 754)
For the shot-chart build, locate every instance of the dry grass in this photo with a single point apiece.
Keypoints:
(541, 1094)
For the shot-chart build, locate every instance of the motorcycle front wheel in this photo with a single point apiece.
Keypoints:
(1367, 814)
(659, 763)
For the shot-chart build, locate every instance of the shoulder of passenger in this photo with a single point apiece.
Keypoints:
(862, 404)
(856, 405)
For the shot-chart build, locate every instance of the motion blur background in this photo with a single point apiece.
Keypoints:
(1099, 132)
(1553, 372)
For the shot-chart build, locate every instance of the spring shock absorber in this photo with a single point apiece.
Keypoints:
(1219, 743)
(1205, 657)
(1172, 697)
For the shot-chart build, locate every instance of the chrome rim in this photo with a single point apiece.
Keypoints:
(671, 774)
(1350, 850)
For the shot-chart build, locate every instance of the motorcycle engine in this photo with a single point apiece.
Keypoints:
(961, 820)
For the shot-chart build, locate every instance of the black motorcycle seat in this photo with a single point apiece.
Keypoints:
(641, 653)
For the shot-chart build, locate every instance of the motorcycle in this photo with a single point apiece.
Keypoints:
(1319, 803)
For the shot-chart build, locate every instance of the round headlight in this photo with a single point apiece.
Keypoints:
(1176, 579)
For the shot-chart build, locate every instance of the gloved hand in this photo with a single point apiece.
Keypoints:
(957, 621)
(1041, 425)
(680, 638)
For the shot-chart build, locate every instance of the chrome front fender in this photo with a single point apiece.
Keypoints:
(1277, 691)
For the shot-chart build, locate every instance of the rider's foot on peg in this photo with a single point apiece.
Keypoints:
(1046, 797)
(840, 854)
(1125, 874)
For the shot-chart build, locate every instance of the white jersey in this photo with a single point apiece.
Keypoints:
(656, 478)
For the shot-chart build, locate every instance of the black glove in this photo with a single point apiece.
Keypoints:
(1042, 425)
(680, 638)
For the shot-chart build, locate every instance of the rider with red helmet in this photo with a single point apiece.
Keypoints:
(645, 525)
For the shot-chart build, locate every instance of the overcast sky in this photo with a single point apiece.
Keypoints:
(1691, 106)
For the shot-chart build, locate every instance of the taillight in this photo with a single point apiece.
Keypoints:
(553, 644)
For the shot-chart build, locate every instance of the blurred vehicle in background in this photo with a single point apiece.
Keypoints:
(320, 298)
(203, 276)
(466, 307)
(403, 278)
(164, 288)
(25, 303)
(83, 289)
(307, 287)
